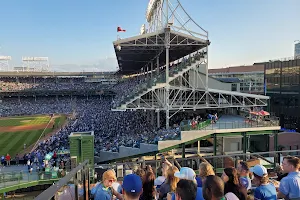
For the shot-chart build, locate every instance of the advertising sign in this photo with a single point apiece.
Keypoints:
(5, 57)
(34, 58)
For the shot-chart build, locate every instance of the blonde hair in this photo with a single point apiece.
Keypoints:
(206, 169)
(108, 175)
(171, 179)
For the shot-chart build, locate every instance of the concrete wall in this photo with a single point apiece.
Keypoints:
(126, 152)
(232, 144)
(212, 83)
(288, 140)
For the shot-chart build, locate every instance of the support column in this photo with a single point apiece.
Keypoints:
(215, 150)
(215, 144)
(157, 65)
(151, 69)
(158, 120)
(152, 117)
(245, 142)
(167, 46)
(276, 155)
(183, 154)
(76, 186)
(198, 149)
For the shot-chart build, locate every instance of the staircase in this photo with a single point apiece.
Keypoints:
(160, 80)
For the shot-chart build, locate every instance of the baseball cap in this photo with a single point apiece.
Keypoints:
(186, 173)
(259, 170)
(132, 183)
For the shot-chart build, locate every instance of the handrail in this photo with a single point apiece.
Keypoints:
(51, 191)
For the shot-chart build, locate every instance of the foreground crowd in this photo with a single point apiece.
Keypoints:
(183, 184)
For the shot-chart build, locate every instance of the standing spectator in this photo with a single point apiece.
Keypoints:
(7, 158)
(265, 190)
(28, 165)
(187, 173)
(290, 185)
(213, 189)
(132, 187)
(232, 184)
(205, 169)
(279, 172)
(186, 190)
(104, 190)
(170, 184)
(243, 171)
(149, 192)
(3, 160)
(17, 159)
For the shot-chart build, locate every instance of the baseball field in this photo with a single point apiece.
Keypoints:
(17, 131)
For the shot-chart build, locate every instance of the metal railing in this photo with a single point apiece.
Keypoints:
(207, 125)
(269, 159)
(22, 177)
(75, 185)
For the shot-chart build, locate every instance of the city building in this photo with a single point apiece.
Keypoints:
(282, 79)
(297, 50)
(251, 77)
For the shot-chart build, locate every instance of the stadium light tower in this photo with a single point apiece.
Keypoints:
(39, 64)
(4, 62)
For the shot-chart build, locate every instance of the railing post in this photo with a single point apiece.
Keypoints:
(276, 158)
(76, 186)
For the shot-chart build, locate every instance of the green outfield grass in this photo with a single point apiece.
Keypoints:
(21, 121)
(13, 142)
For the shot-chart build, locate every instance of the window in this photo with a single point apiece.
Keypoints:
(234, 87)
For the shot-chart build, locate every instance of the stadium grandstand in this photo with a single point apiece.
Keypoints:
(160, 118)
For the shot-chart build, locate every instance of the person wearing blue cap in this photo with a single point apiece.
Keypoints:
(132, 187)
(265, 190)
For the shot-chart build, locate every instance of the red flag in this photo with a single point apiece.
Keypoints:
(119, 29)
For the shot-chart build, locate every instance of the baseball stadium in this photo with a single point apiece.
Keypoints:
(63, 135)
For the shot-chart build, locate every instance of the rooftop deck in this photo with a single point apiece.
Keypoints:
(231, 122)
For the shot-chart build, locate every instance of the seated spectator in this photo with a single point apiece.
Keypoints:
(265, 190)
(186, 190)
(243, 172)
(289, 187)
(104, 190)
(149, 192)
(170, 184)
(132, 187)
(232, 184)
(213, 189)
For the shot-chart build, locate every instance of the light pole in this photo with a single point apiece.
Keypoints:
(297, 49)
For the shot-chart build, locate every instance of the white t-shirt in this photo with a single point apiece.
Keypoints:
(231, 196)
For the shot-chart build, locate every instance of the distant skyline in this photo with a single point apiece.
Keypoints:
(78, 35)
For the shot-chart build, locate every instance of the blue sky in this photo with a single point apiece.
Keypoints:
(80, 33)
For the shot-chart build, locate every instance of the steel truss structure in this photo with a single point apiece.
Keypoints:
(188, 88)
(35, 64)
(4, 63)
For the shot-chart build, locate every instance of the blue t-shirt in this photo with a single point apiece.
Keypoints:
(101, 193)
(265, 192)
(199, 195)
(246, 182)
(199, 182)
(290, 185)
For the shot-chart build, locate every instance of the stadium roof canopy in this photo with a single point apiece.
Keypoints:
(136, 52)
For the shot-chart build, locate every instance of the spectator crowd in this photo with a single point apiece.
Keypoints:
(172, 183)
